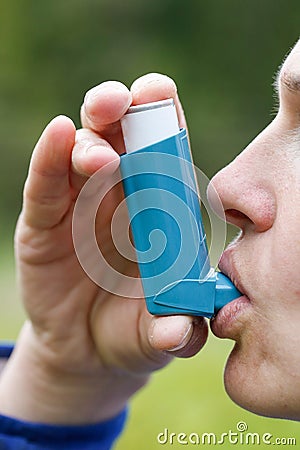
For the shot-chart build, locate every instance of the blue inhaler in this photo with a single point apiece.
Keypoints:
(164, 210)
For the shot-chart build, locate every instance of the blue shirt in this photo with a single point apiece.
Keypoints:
(18, 435)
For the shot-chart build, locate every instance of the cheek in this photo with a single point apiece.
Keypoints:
(285, 258)
(263, 371)
(286, 245)
(270, 268)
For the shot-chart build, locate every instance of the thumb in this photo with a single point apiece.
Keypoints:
(180, 336)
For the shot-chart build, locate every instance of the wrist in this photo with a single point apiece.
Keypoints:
(35, 389)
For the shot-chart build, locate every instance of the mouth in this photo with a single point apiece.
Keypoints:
(229, 320)
(228, 267)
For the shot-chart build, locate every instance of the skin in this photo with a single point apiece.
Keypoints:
(83, 351)
(260, 192)
(86, 371)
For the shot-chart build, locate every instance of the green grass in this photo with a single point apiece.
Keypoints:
(11, 311)
(188, 396)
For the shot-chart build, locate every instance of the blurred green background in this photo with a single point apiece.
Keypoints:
(223, 56)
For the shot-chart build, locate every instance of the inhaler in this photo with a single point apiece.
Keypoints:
(163, 203)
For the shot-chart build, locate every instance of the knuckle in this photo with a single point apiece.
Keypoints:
(86, 136)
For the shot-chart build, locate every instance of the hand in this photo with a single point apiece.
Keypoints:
(83, 352)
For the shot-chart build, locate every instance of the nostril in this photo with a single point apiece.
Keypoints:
(236, 217)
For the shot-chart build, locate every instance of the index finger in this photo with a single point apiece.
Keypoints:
(102, 109)
(105, 104)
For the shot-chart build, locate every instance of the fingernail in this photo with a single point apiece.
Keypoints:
(185, 339)
(98, 149)
(170, 333)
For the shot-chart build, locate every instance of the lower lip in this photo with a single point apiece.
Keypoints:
(225, 324)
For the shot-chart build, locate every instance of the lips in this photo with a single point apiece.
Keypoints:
(229, 321)
(227, 266)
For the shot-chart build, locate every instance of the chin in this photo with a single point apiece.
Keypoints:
(251, 384)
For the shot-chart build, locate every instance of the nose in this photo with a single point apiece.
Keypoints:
(245, 190)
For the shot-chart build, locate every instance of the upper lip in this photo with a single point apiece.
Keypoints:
(227, 265)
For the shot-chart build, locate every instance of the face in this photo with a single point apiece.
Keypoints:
(260, 192)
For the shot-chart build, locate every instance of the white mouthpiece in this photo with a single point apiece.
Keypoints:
(147, 124)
